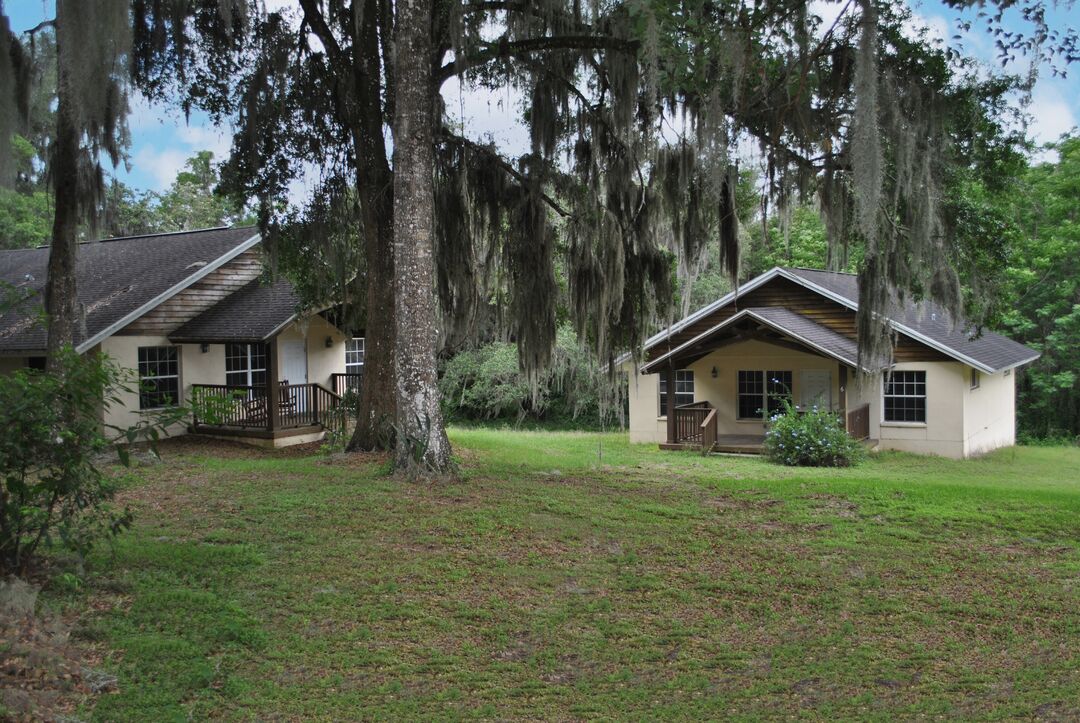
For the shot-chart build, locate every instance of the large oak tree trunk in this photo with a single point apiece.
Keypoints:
(61, 299)
(422, 446)
(374, 182)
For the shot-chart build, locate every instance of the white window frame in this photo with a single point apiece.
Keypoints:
(924, 396)
(249, 370)
(687, 377)
(156, 377)
(355, 367)
(976, 379)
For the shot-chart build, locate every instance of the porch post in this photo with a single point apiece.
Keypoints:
(272, 387)
(843, 394)
(669, 376)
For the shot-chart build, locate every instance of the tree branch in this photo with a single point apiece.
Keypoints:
(505, 48)
(502, 163)
(315, 19)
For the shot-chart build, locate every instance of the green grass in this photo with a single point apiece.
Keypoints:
(574, 576)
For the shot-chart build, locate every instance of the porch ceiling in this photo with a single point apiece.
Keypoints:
(770, 324)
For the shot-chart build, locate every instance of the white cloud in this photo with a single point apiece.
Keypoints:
(160, 165)
(1051, 115)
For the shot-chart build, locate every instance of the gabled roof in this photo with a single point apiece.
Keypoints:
(119, 280)
(925, 322)
(252, 314)
(789, 323)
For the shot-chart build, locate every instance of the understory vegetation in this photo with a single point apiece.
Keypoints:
(572, 575)
(487, 383)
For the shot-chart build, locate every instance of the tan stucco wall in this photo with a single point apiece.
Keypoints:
(647, 425)
(195, 368)
(943, 433)
(990, 413)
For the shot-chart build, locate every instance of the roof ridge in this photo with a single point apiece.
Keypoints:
(820, 271)
(183, 232)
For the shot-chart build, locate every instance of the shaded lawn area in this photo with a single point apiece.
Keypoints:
(551, 585)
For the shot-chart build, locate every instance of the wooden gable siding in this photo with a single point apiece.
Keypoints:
(788, 294)
(198, 297)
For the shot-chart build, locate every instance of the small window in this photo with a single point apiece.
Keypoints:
(905, 397)
(976, 378)
(159, 377)
(354, 355)
(37, 363)
(751, 394)
(684, 389)
(245, 365)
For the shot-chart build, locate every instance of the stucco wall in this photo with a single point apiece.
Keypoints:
(943, 432)
(990, 413)
(645, 424)
(196, 367)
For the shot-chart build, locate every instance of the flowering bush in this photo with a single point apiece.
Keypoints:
(811, 438)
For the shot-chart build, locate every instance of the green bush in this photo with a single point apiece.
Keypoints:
(52, 490)
(486, 384)
(811, 438)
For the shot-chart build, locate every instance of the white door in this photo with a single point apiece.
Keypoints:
(294, 369)
(815, 389)
(293, 362)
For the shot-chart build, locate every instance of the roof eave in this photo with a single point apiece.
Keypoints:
(168, 294)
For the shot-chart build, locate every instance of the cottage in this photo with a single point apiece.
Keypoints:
(191, 315)
(715, 377)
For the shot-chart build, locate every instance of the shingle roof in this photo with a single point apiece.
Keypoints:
(251, 314)
(804, 328)
(115, 279)
(930, 320)
(788, 322)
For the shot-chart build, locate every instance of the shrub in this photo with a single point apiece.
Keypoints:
(486, 383)
(51, 489)
(812, 438)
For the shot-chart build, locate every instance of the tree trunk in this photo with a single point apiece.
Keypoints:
(376, 416)
(422, 447)
(61, 299)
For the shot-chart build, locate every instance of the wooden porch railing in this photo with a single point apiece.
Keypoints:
(225, 406)
(688, 421)
(342, 384)
(708, 432)
(858, 422)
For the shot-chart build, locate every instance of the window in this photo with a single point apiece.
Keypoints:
(751, 394)
(777, 391)
(245, 365)
(354, 355)
(763, 391)
(905, 397)
(684, 389)
(976, 378)
(159, 377)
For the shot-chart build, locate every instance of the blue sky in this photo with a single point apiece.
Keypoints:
(162, 140)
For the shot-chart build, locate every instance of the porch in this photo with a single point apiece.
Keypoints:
(695, 428)
(268, 412)
(718, 391)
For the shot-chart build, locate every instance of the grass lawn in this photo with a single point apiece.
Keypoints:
(553, 584)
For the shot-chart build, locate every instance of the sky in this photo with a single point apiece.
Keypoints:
(162, 140)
